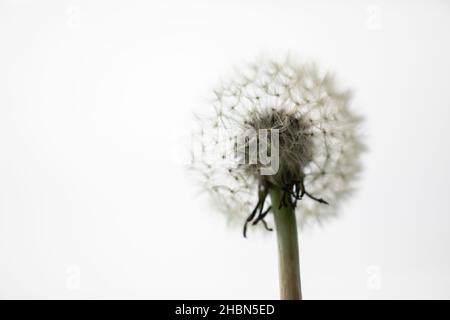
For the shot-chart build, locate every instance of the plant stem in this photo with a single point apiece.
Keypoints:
(288, 254)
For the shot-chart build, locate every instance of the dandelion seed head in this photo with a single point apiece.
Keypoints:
(319, 140)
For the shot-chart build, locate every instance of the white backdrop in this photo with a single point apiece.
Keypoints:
(96, 99)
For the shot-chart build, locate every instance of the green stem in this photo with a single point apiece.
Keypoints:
(288, 254)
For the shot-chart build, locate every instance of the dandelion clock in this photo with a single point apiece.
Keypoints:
(279, 149)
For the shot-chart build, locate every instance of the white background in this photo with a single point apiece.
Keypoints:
(96, 99)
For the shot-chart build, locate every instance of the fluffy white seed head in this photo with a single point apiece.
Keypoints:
(318, 139)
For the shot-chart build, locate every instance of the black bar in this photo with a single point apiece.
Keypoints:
(220, 309)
